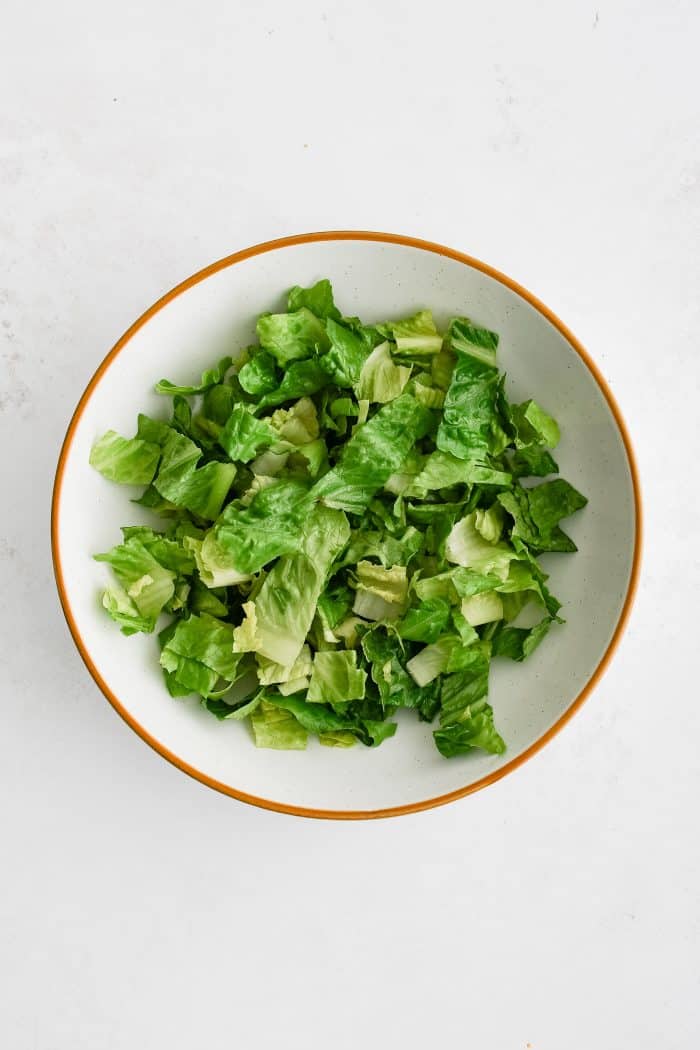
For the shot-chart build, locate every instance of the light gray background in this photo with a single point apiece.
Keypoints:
(559, 141)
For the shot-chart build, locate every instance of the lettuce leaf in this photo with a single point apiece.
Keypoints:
(251, 537)
(425, 622)
(129, 461)
(519, 642)
(147, 584)
(381, 380)
(336, 678)
(475, 729)
(318, 299)
(243, 435)
(386, 656)
(317, 718)
(198, 653)
(536, 514)
(291, 337)
(210, 377)
(374, 452)
(300, 379)
(259, 374)
(285, 607)
(277, 728)
(471, 425)
(349, 350)
(414, 335)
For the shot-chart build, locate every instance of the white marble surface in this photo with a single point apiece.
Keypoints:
(556, 910)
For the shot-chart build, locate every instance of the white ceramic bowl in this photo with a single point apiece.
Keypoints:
(375, 276)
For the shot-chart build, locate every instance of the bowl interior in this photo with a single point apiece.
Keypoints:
(376, 280)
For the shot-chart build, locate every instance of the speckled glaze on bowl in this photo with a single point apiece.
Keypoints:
(375, 275)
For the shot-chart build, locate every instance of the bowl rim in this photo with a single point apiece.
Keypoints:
(241, 256)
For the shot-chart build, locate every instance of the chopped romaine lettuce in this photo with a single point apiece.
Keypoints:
(346, 530)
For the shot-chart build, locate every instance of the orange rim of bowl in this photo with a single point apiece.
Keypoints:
(260, 249)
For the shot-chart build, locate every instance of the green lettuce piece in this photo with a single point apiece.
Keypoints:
(198, 653)
(441, 470)
(129, 461)
(441, 369)
(317, 718)
(490, 522)
(475, 729)
(526, 578)
(168, 552)
(335, 603)
(455, 584)
(243, 435)
(427, 393)
(451, 652)
(532, 461)
(343, 406)
(294, 685)
(467, 338)
(272, 673)
(298, 424)
(300, 379)
(390, 584)
(259, 375)
(552, 501)
(381, 592)
(285, 607)
(291, 337)
(372, 607)
(533, 426)
(381, 380)
(468, 684)
(215, 564)
(268, 465)
(200, 490)
(203, 599)
(124, 612)
(349, 350)
(431, 661)
(210, 377)
(482, 608)
(152, 500)
(536, 514)
(385, 654)
(385, 548)
(203, 491)
(181, 419)
(217, 405)
(470, 427)
(336, 678)
(374, 452)
(153, 430)
(467, 547)
(425, 622)
(184, 677)
(277, 728)
(520, 642)
(465, 631)
(402, 480)
(222, 709)
(313, 455)
(337, 739)
(251, 537)
(318, 299)
(414, 335)
(149, 586)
